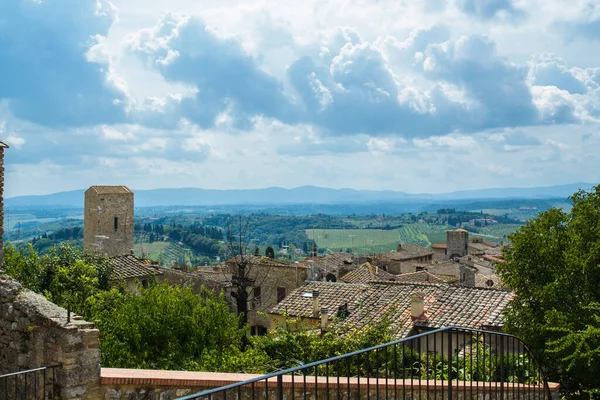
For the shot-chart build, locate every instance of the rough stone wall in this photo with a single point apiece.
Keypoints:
(467, 275)
(34, 332)
(120, 241)
(1, 207)
(457, 243)
(269, 279)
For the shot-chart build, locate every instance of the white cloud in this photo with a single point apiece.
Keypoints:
(229, 94)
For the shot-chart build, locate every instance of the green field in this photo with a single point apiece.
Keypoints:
(359, 240)
(363, 241)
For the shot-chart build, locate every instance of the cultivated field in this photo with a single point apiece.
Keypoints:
(363, 241)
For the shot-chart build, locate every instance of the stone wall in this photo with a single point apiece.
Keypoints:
(271, 280)
(122, 384)
(457, 243)
(34, 332)
(100, 211)
(2, 146)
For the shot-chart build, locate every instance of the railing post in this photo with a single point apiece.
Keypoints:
(501, 338)
(450, 354)
(280, 387)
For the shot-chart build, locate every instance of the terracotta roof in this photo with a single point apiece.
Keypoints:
(445, 305)
(220, 278)
(491, 258)
(260, 260)
(367, 273)
(421, 277)
(129, 267)
(332, 262)
(110, 189)
(439, 246)
(406, 252)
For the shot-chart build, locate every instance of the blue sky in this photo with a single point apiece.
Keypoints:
(416, 96)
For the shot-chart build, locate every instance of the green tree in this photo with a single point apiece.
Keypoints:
(65, 275)
(169, 328)
(554, 268)
(270, 252)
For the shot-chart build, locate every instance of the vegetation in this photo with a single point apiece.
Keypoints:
(553, 267)
(64, 275)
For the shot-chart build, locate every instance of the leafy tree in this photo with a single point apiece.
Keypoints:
(270, 252)
(169, 328)
(554, 269)
(65, 275)
(295, 345)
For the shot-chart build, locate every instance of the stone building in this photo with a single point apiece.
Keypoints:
(2, 147)
(108, 220)
(272, 281)
(457, 243)
(407, 258)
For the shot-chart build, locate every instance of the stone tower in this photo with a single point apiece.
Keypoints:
(457, 243)
(108, 220)
(2, 147)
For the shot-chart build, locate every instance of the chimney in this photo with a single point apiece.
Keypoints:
(324, 318)
(416, 305)
(315, 297)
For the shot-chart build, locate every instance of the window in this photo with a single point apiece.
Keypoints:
(280, 294)
(145, 283)
(116, 222)
(256, 296)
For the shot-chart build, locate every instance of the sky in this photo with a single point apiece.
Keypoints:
(408, 95)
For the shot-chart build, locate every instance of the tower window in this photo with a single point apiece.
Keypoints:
(116, 223)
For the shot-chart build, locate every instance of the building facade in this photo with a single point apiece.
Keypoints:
(457, 243)
(108, 220)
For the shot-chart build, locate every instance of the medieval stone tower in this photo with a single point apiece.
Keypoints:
(2, 147)
(457, 243)
(108, 220)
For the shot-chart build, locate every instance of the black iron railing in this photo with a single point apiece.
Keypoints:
(446, 363)
(37, 383)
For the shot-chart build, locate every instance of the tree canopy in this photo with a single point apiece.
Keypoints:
(554, 268)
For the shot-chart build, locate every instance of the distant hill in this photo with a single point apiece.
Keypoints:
(299, 195)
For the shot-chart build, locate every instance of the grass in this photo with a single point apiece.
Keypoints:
(359, 240)
(363, 241)
(153, 250)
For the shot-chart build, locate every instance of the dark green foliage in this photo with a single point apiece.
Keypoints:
(554, 269)
(167, 328)
(65, 275)
(270, 252)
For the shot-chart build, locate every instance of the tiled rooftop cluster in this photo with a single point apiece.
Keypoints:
(129, 267)
(444, 304)
(406, 252)
(261, 260)
(333, 262)
(367, 273)
(423, 277)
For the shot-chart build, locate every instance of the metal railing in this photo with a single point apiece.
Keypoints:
(447, 363)
(37, 383)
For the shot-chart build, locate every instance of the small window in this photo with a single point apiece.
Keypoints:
(116, 222)
(256, 295)
(280, 294)
(145, 283)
